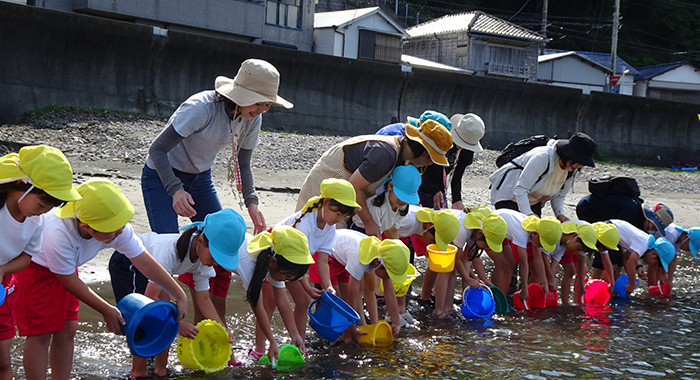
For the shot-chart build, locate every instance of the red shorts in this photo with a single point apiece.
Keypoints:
(43, 305)
(218, 285)
(7, 320)
(420, 246)
(514, 248)
(337, 271)
(569, 257)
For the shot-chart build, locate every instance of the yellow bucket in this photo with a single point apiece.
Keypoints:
(441, 261)
(209, 351)
(402, 289)
(378, 334)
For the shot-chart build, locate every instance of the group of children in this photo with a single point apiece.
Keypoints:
(51, 228)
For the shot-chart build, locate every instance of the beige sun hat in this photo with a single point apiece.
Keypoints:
(257, 81)
(467, 130)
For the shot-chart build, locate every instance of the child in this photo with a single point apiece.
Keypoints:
(317, 221)
(280, 256)
(542, 233)
(577, 237)
(683, 240)
(608, 240)
(390, 206)
(479, 229)
(31, 183)
(215, 241)
(356, 254)
(50, 287)
(637, 244)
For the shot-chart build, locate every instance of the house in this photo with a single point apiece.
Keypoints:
(677, 81)
(284, 23)
(365, 33)
(478, 42)
(587, 71)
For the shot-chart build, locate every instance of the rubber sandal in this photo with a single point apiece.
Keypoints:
(236, 364)
(143, 377)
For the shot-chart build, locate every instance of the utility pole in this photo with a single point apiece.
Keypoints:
(544, 24)
(616, 26)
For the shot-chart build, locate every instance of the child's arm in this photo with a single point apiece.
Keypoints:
(581, 272)
(155, 292)
(324, 271)
(287, 313)
(150, 268)
(551, 279)
(15, 265)
(478, 266)
(538, 270)
(524, 273)
(607, 264)
(354, 299)
(370, 296)
(463, 270)
(392, 233)
(310, 290)
(630, 269)
(392, 305)
(77, 287)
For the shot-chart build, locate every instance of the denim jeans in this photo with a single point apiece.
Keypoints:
(159, 205)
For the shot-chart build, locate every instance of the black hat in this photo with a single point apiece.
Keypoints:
(579, 148)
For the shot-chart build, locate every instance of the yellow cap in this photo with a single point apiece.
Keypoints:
(446, 225)
(285, 241)
(608, 235)
(436, 139)
(393, 253)
(338, 189)
(584, 230)
(44, 167)
(492, 225)
(103, 206)
(549, 229)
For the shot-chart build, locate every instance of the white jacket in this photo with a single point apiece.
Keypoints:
(512, 182)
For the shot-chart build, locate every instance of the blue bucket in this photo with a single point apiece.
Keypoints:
(620, 284)
(3, 294)
(151, 326)
(478, 303)
(332, 316)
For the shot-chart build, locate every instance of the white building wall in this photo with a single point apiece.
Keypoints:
(572, 72)
(324, 41)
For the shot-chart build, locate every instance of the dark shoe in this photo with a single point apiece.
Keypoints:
(427, 304)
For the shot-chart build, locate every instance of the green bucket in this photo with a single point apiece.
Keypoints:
(501, 300)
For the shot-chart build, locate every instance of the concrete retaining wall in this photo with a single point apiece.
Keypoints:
(52, 57)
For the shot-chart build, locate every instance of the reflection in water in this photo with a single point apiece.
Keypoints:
(640, 338)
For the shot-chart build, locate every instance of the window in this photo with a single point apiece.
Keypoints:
(285, 13)
(379, 46)
(507, 61)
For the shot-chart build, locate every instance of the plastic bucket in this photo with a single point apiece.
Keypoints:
(441, 261)
(500, 298)
(552, 299)
(209, 351)
(3, 294)
(289, 357)
(478, 303)
(332, 316)
(402, 289)
(596, 292)
(663, 290)
(151, 326)
(535, 298)
(620, 285)
(378, 334)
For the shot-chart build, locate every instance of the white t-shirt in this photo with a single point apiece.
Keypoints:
(384, 216)
(346, 252)
(410, 225)
(63, 249)
(464, 235)
(163, 248)
(320, 240)
(19, 237)
(672, 235)
(631, 237)
(246, 265)
(516, 233)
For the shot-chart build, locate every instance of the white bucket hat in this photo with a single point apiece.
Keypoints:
(257, 81)
(467, 130)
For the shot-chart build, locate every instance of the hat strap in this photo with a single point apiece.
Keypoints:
(198, 225)
(29, 181)
(431, 142)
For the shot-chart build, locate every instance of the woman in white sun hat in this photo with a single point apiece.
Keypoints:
(176, 178)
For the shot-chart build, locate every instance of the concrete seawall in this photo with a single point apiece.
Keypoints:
(52, 57)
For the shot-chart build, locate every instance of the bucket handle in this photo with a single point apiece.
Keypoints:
(481, 285)
(312, 316)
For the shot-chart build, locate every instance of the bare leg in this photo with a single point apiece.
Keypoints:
(429, 278)
(269, 302)
(61, 354)
(302, 300)
(36, 356)
(566, 279)
(5, 359)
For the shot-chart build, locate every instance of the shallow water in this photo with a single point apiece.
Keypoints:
(642, 337)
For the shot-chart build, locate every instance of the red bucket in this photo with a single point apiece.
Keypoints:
(535, 298)
(552, 299)
(596, 292)
(663, 290)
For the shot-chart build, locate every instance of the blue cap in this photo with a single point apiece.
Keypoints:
(406, 180)
(431, 115)
(664, 249)
(694, 237)
(225, 231)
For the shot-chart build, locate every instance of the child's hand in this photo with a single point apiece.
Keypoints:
(472, 282)
(352, 335)
(181, 310)
(488, 283)
(231, 337)
(298, 341)
(395, 327)
(331, 289)
(314, 293)
(188, 330)
(629, 288)
(273, 352)
(524, 294)
(114, 319)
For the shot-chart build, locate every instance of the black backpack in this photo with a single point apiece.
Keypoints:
(514, 150)
(615, 185)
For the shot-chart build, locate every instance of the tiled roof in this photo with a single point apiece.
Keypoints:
(475, 22)
(652, 71)
(338, 18)
(599, 59)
